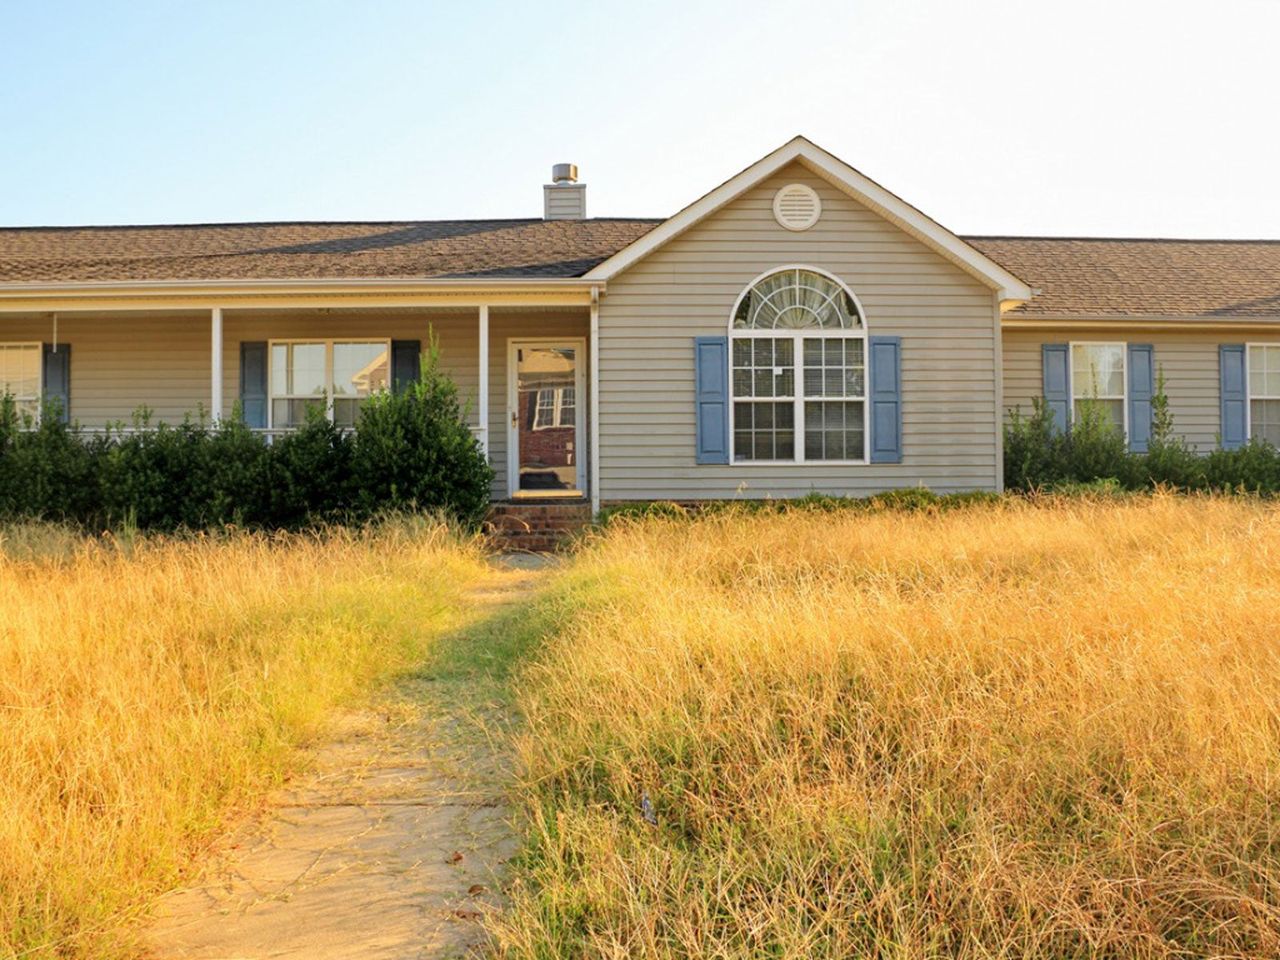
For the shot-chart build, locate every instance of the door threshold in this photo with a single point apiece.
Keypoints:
(548, 495)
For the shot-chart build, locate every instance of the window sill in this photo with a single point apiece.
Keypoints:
(800, 463)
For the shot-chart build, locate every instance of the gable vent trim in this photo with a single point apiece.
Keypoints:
(797, 207)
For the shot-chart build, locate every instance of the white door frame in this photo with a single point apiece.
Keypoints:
(513, 412)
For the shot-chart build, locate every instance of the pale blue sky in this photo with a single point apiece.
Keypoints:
(1123, 117)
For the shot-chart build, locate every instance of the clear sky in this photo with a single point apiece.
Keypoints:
(1119, 118)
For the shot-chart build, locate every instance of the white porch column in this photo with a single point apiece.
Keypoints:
(482, 411)
(215, 367)
(593, 391)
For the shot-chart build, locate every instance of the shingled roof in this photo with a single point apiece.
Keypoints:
(283, 251)
(1083, 277)
(1125, 278)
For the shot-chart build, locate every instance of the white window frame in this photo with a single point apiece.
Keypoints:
(555, 408)
(1071, 378)
(328, 344)
(39, 398)
(1248, 386)
(797, 359)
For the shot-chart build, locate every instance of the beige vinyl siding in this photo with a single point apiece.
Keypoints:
(652, 312)
(1189, 361)
(119, 364)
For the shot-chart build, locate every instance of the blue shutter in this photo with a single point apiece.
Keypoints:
(1234, 393)
(1142, 387)
(1056, 384)
(405, 363)
(711, 398)
(57, 378)
(253, 384)
(886, 399)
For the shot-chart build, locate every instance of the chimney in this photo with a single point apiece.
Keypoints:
(564, 198)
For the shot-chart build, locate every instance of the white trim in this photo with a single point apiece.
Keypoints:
(215, 366)
(593, 403)
(842, 176)
(328, 344)
(1071, 378)
(38, 346)
(482, 402)
(513, 411)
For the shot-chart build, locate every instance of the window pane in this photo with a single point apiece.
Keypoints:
(293, 413)
(833, 430)
(360, 369)
(1112, 410)
(1097, 370)
(1264, 421)
(297, 369)
(346, 410)
(834, 367)
(20, 372)
(796, 299)
(1264, 371)
(764, 431)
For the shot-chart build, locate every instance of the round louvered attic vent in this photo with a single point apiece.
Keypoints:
(797, 207)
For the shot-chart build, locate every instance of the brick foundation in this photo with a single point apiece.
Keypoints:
(536, 526)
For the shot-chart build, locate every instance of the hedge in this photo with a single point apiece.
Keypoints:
(1038, 456)
(411, 450)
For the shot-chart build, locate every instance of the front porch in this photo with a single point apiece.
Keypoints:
(524, 371)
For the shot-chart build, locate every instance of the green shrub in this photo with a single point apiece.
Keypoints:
(410, 451)
(309, 473)
(1033, 448)
(413, 450)
(46, 473)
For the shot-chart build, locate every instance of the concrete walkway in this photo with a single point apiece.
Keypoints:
(391, 844)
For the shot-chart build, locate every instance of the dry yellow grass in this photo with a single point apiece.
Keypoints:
(146, 687)
(1015, 731)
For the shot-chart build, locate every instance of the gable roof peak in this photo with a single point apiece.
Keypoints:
(844, 177)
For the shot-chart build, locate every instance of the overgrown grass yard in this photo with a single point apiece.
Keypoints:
(1029, 730)
(147, 688)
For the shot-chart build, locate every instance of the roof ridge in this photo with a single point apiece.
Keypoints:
(313, 223)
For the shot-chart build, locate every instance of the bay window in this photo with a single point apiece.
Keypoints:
(799, 364)
(333, 376)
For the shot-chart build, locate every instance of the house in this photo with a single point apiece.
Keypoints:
(798, 328)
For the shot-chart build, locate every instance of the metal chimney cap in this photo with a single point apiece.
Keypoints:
(564, 173)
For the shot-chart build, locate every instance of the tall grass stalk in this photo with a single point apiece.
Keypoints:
(147, 686)
(1038, 730)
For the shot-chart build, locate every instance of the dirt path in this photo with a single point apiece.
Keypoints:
(391, 844)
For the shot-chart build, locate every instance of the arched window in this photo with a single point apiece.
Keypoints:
(799, 358)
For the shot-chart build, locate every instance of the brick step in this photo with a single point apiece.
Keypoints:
(536, 526)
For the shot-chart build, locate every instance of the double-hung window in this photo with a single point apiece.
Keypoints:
(799, 370)
(1264, 392)
(333, 376)
(554, 408)
(20, 376)
(1099, 380)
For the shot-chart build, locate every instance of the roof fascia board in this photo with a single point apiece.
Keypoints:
(272, 293)
(845, 178)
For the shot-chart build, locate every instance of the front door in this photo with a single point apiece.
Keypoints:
(545, 405)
